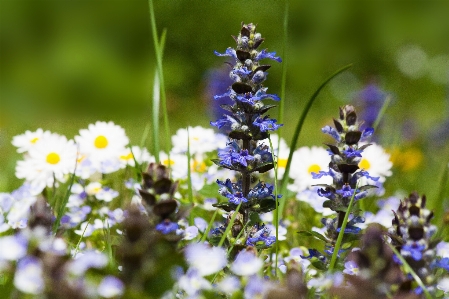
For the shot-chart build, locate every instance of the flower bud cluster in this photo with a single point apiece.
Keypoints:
(411, 234)
(158, 194)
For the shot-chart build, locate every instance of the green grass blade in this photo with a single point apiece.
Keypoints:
(276, 211)
(410, 270)
(158, 47)
(189, 177)
(341, 234)
(382, 111)
(209, 226)
(81, 237)
(64, 202)
(231, 222)
(298, 130)
(155, 116)
(284, 75)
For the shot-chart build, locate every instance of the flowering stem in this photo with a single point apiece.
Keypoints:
(410, 270)
(342, 231)
(298, 130)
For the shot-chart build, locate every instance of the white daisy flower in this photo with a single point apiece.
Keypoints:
(377, 162)
(306, 160)
(53, 157)
(102, 141)
(28, 139)
(141, 155)
(201, 140)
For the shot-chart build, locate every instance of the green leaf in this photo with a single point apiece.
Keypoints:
(314, 234)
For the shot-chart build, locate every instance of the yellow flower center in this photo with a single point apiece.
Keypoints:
(199, 166)
(101, 142)
(168, 162)
(282, 163)
(314, 168)
(34, 140)
(127, 157)
(364, 164)
(53, 158)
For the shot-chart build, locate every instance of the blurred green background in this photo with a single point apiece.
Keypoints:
(65, 64)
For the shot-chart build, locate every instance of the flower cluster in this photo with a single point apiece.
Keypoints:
(247, 125)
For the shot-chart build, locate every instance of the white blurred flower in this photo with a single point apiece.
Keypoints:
(229, 284)
(200, 223)
(190, 233)
(28, 140)
(377, 162)
(306, 160)
(313, 199)
(28, 277)
(110, 287)
(13, 247)
(201, 140)
(52, 157)
(192, 283)
(206, 260)
(246, 264)
(86, 260)
(101, 142)
(443, 284)
(442, 249)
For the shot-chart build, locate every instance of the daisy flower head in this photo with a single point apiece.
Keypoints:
(200, 140)
(27, 140)
(52, 157)
(102, 141)
(376, 161)
(306, 161)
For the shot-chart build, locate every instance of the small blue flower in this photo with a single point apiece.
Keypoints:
(261, 236)
(351, 152)
(266, 124)
(320, 174)
(262, 94)
(225, 120)
(229, 52)
(346, 191)
(331, 131)
(315, 253)
(236, 198)
(414, 250)
(231, 157)
(264, 54)
(442, 263)
(367, 133)
(167, 227)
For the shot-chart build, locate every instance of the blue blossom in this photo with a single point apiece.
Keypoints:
(229, 52)
(442, 263)
(315, 253)
(262, 94)
(352, 152)
(351, 268)
(225, 120)
(266, 124)
(166, 227)
(367, 133)
(331, 131)
(110, 287)
(261, 191)
(264, 54)
(231, 157)
(236, 198)
(232, 191)
(414, 250)
(320, 174)
(261, 236)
